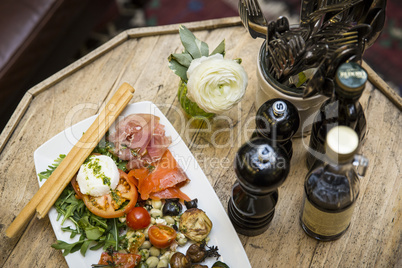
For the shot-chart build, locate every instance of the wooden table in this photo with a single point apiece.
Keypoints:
(139, 57)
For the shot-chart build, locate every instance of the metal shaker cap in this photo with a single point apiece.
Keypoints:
(342, 143)
(279, 107)
(277, 119)
(350, 79)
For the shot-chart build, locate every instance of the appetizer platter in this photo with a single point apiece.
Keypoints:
(195, 185)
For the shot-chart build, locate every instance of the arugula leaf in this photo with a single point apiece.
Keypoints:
(194, 46)
(46, 174)
(68, 248)
(92, 232)
(85, 246)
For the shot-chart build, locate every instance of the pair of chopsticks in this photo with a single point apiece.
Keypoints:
(50, 191)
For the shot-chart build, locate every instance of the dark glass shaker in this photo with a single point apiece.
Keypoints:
(343, 108)
(260, 169)
(331, 189)
(278, 120)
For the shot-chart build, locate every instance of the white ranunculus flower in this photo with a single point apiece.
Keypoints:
(216, 84)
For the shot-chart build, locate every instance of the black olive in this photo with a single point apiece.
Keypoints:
(179, 260)
(172, 207)
(191, 204)
(174, 226)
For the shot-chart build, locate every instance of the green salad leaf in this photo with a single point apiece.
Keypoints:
(46, 174)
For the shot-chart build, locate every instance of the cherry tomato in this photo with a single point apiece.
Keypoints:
(123, 260)
(136, 242)
(111, 205)
(161, 236)
(138, 218)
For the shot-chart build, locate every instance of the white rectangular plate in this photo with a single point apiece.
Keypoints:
(222, 235)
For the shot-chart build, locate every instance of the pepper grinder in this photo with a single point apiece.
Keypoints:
(260, 169)
(278, 120)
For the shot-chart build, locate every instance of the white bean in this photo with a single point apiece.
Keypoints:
(130, 234)
(146, 245)
(144, 254)
(166, 256)
(146, 230)
(153, 251)
(163, 263)
(155, 213)
(182, 241)
(169, 220)
(161, 221)
(157, 204)
(152, 262)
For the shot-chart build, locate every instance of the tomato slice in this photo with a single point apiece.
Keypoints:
(123, 260)
(161, 236)
(111, 205)
(138, 218)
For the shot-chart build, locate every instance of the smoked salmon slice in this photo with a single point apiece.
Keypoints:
(172, 192)
(166, 174)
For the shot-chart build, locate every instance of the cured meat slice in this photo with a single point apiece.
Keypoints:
(172, 192)
(134, 131)
(140, 139)
(158, 144)
(166, 174)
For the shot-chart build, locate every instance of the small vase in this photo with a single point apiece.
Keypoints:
(190, 107)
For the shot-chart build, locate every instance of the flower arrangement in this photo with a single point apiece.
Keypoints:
(209, 84)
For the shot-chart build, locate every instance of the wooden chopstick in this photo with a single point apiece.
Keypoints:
(47, 195)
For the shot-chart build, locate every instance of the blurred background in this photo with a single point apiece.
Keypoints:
(40, 37)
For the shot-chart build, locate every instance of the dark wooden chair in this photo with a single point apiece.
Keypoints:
(38, 38)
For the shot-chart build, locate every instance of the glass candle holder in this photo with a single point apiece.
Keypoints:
(190, 107)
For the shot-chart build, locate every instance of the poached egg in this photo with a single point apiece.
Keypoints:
(98, 176)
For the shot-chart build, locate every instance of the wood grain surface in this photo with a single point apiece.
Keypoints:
(139, 57)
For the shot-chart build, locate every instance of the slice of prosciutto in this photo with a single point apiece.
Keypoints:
(140, 139)
(167, 174)
(134, 131)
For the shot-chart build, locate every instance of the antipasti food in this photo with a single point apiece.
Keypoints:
(126, 199)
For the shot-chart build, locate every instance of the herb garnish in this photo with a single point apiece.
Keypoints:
(107, 148)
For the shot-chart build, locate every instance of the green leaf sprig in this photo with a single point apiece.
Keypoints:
(46, 174)
(193, 49)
